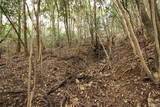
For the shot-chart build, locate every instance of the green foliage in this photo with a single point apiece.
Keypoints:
(11, 6)
(4, 31)
(79, 12)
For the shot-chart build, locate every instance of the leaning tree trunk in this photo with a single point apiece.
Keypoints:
(125, 28)
(134, 38)
(156, 35)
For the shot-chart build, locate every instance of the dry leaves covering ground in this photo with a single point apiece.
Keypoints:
(76, 78)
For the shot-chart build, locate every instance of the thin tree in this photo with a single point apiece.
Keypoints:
(19, 27)
(25, 28)
(134, 38)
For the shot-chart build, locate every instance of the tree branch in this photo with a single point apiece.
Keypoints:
(8, 18)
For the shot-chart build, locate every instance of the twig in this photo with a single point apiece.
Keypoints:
(124, 73)
(69, 79)
(12, 92)
(49, 103)
(61, 84)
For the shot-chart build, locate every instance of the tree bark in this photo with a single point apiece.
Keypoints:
(37, 26)
(156, 36)
(144, 16)
(25, 28)
(66, 21)
(58, 21)
(1, 15)
(19, 28)
(134, 39)
(95, 24)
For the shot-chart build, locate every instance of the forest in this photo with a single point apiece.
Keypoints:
(79, 53)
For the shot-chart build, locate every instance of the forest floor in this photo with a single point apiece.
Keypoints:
(75, 77)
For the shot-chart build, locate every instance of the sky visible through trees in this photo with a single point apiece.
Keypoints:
(79, 53)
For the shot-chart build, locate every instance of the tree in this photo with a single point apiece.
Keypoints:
(133, 39)
(154, 16)
(25, 28)
(9, 13)
(144, 16)
(19, 28)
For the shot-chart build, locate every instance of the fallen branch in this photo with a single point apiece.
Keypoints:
(1, 65)
(12, 92)
(69, 79)
(124, 73)
(48, 100)
(61, 84)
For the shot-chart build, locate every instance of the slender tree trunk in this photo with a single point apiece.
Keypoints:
(25, 29)
(53, 23)
(58, 21)
(78, 27)
(95, 25)
(69, 22)
(144, 16)
(19, 28)
(90, 22)
(58, 31)
(134, 39)
(0, 16)
(126, 31)
(157, 12)
(156, 36)
(38, 26)
(66, 21)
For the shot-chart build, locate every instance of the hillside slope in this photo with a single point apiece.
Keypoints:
(75, 77)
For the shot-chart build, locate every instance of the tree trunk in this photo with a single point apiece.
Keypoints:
(157, 19)
(95, 25)
(53, 24)
(66, 21)
(37, 26)
(19, 28)
(1, 15)
(144, 16)
(90, 23)
(134, 39)
(25, 29)
(126, 31)
(58, 21)
(156, 36)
